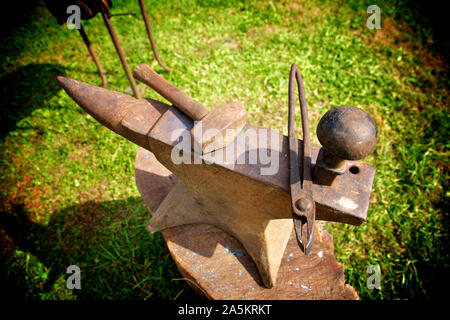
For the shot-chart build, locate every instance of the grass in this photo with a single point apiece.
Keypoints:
(67, 184)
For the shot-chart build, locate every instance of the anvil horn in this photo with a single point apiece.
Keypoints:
(233, 195)
(130, 117)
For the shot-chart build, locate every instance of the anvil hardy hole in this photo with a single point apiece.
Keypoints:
(354, 169)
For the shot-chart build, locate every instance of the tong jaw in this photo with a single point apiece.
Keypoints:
(302, 202)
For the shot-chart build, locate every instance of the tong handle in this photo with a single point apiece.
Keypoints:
(303, 205)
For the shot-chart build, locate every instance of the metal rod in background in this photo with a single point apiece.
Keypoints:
(93, 55)
(121, 54)
(123, 14)
(150, 35)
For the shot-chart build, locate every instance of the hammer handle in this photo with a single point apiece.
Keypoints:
(181, 100)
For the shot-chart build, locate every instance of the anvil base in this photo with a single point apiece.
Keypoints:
(218, 267)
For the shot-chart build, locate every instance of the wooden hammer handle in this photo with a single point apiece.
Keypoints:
(181, 100)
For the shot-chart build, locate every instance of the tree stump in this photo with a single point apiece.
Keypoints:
(217, 266)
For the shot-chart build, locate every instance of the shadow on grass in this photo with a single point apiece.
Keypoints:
(20, 14)
(107, 240)
(25, 89)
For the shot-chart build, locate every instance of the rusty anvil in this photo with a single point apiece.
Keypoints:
(234, 196)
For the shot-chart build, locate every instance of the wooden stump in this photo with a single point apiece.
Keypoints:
(217, 266)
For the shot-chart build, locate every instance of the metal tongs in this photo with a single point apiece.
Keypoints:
(302, 202)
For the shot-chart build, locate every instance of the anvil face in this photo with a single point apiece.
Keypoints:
(229, 190)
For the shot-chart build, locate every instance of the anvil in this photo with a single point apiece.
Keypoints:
(233, 195)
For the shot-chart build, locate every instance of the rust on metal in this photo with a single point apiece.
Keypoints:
(122, 14)
(346, 133)
(88, 9)
(232, 195)
(180, 99)
(347, 200)
(93, 55)
(302, 203)
(121, 113)
(150, 35)
(224, 122)
(119, 50)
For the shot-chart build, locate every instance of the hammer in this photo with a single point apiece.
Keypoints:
(225, 122)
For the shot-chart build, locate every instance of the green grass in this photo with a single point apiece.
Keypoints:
(67, 184)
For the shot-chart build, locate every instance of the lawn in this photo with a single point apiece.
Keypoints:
(68, 194)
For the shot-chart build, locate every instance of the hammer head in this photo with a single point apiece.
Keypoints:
(218, 128)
